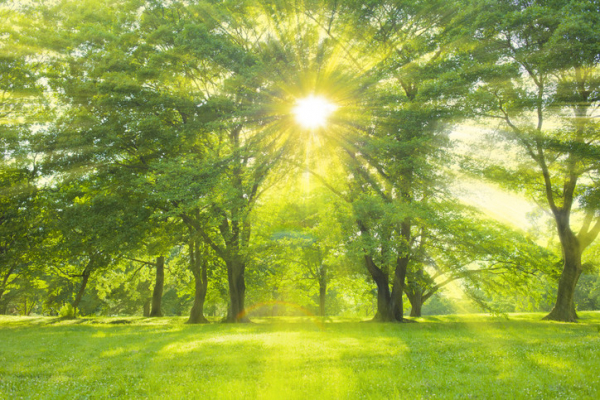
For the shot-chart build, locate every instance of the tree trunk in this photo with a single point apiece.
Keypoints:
(5, 281)
(237, 292)
(416, 303)
(197, 312)
(322, 294)
(86, 276)
(564, 309)
(146, 308)
(198, 266)
(158, 287)
(400, 274)
(384, 310)
(31, 307)
(397, 301)
(414, 291)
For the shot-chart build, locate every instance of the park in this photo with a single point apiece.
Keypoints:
(299, 199)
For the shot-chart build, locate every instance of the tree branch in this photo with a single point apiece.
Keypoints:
(585, 236)
(140, 261)
(547, 181)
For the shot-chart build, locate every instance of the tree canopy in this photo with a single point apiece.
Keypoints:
(164, 137)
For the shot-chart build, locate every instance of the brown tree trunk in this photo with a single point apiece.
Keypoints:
(197, 312)
(237, 292)
(400, 275)
(416, 303)
(414, 291)
(241, 284)
(86, 276)
(564, 309)
(198, 267)
(397, 301)
(384, 310)
(158, 288)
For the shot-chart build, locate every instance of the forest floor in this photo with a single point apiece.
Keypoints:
(458, 356)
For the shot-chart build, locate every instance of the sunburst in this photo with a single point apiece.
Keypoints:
(313, 111)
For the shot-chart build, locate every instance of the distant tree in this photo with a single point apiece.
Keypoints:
(303, 240)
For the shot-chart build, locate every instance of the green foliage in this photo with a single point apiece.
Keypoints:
(546, 105)
(136, 129)
(587, 295)
(66, 311)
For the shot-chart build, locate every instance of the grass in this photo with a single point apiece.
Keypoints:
(463, 356)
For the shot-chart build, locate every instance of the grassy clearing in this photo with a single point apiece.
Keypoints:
(466, 356)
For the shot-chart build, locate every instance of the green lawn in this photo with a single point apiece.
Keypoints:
(471, 356)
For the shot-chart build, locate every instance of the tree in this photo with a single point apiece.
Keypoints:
(125, 110)
(541, 79)
(21, 108)
(171, 121)
(152, 307)
(394, 158)
(456, 243)
(89, 228)
(160, 236)
(301, 239)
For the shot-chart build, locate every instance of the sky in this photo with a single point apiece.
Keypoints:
(498, 204)
(495, 202)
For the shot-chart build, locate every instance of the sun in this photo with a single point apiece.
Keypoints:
(312, 112)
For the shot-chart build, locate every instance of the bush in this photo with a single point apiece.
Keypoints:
(66, 311)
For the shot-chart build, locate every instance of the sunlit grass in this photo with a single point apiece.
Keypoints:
(465, 356)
